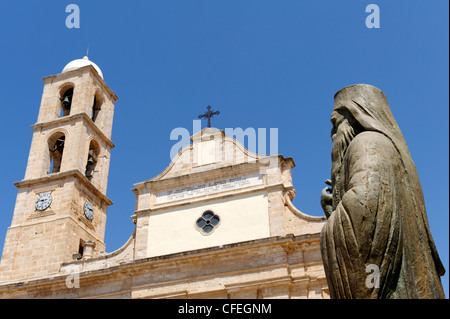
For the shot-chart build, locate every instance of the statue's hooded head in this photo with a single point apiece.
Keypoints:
(369, 107)
(370, 111)
(366, 108)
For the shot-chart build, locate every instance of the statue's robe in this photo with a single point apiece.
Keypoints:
(379, 219)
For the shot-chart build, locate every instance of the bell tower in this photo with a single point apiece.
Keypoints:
(61, 205)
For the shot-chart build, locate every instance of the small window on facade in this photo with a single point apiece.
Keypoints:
(56, 148)
(79, 255)
(80, 251)
(66, 102)
(207, 223)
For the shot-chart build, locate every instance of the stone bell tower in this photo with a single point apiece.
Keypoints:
(61, 205)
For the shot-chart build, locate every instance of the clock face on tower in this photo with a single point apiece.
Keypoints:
(43, 201)
(88, 210)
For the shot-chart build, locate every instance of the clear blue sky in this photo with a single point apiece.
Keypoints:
(261, 63)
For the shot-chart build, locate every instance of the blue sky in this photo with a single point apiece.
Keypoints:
(263, 64)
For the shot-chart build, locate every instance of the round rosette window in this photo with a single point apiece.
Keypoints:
(207, 223)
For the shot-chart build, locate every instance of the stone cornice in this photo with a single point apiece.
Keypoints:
(287, 243)
(64, 175)
(259, 189)
(71, 73)
(75, 117)
(197, 177)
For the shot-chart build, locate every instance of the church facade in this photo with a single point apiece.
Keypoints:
(234, 231)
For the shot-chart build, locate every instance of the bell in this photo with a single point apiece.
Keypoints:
(89, 173)
(93, 155)
(66, 102)
(90, 161)
(59, 144)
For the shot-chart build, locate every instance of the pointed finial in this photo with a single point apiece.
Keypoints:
(87, 51)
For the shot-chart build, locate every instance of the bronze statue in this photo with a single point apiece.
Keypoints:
(377, 223)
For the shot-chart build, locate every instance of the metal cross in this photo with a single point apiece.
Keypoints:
(209, 114)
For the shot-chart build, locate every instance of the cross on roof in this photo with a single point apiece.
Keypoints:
(208, 115)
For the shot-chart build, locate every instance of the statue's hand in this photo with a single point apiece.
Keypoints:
(326, 199)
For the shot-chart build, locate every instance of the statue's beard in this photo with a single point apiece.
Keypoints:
(341, 141)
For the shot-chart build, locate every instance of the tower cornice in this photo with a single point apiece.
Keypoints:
(75, 117)
(61, 176)
(71, 73)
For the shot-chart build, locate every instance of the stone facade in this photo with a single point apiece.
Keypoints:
(276, 267)
(37, 242)
(218, 222)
